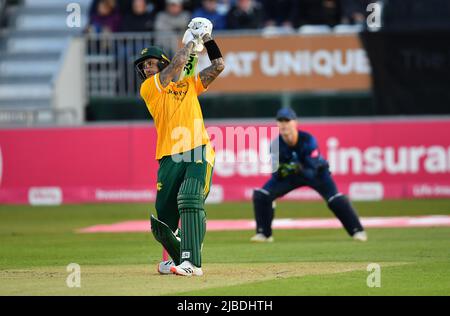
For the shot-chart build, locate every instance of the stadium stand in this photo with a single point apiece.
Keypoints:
(32, 47)
(36, 41)
(2, 11)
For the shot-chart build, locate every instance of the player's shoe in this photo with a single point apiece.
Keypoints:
(360, 236)
(164, 267)
(261, 238)
(186, 269)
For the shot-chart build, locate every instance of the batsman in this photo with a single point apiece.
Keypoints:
(186, 158)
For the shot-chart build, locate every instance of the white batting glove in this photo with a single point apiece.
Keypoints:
(200, 26)
(189, 37)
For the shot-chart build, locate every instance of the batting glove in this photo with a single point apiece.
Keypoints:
(189, 37)
(200, 27)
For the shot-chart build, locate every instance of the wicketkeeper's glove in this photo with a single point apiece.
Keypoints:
(288, 169)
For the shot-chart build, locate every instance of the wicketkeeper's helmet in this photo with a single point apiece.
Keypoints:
(151, 52)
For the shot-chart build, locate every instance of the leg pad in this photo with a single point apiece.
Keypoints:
(193, 220)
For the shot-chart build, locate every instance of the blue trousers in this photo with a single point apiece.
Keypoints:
(323, 183)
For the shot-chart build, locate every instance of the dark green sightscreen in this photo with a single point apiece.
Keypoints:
(243, 106)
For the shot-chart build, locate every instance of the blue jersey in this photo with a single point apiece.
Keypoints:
(305, 152)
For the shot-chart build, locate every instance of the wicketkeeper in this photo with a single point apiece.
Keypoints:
(299, 163)
(183, 149)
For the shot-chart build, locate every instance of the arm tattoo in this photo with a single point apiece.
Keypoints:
(206, 38)
(209, 74)
(176, 65)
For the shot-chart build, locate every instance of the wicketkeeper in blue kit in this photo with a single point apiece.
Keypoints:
(299, 163)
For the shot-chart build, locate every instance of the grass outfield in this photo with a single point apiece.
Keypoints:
(37, 243)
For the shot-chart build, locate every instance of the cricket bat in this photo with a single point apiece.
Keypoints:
(165, 254)
(190, 67)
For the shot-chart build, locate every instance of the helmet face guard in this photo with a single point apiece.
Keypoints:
(151, 52)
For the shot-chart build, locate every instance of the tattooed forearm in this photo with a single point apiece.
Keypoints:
(206, 38)
(210, 73)
(176, 65)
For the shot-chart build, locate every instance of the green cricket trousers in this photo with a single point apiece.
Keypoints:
(184, 182)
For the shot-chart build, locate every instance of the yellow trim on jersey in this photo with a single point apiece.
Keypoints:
(156, 83)
(207, 179)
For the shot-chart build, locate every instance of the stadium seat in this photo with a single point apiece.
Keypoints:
(33, 91)
(275, 30)
(28, 68)
(43, 22)
(314, 29)
(46, 4)
(35, 45)
(348, 28)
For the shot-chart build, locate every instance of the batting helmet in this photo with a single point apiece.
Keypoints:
(151, 52)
